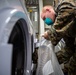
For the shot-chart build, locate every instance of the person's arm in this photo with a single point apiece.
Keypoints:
(53, 36)
(64, 23)
(65, 27)
(65, 53)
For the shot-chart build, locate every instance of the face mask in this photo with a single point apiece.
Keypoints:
(48, 21)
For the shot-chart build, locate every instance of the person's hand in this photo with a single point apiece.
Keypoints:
(45, 35)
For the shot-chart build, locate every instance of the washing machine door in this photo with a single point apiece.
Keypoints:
(15, 39)
(16, 55)
(18, 40)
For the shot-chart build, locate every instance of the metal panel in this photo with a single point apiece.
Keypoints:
(5, 59)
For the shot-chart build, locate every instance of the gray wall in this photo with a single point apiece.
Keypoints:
(47, 2)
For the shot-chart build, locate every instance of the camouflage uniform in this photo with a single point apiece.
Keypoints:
(65, 27)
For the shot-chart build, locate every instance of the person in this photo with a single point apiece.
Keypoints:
(45, 15)
(62, 26)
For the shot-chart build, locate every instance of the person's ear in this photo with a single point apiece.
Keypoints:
(43, 16)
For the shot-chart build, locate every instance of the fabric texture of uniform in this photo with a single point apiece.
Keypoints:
(65, 27)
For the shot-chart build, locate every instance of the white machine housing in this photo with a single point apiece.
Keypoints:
(11, 12)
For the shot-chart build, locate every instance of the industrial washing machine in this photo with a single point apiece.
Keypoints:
(16, 39)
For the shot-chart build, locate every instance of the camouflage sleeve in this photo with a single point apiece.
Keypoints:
(68, 56)
(53, 36)
(63, 24)
(72, 65)
(64, 28)
(65, 53)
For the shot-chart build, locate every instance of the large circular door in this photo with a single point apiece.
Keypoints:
(18, 39)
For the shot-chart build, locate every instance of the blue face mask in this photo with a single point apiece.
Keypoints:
(48, 21)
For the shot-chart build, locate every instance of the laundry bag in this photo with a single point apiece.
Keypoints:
(47, 60)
